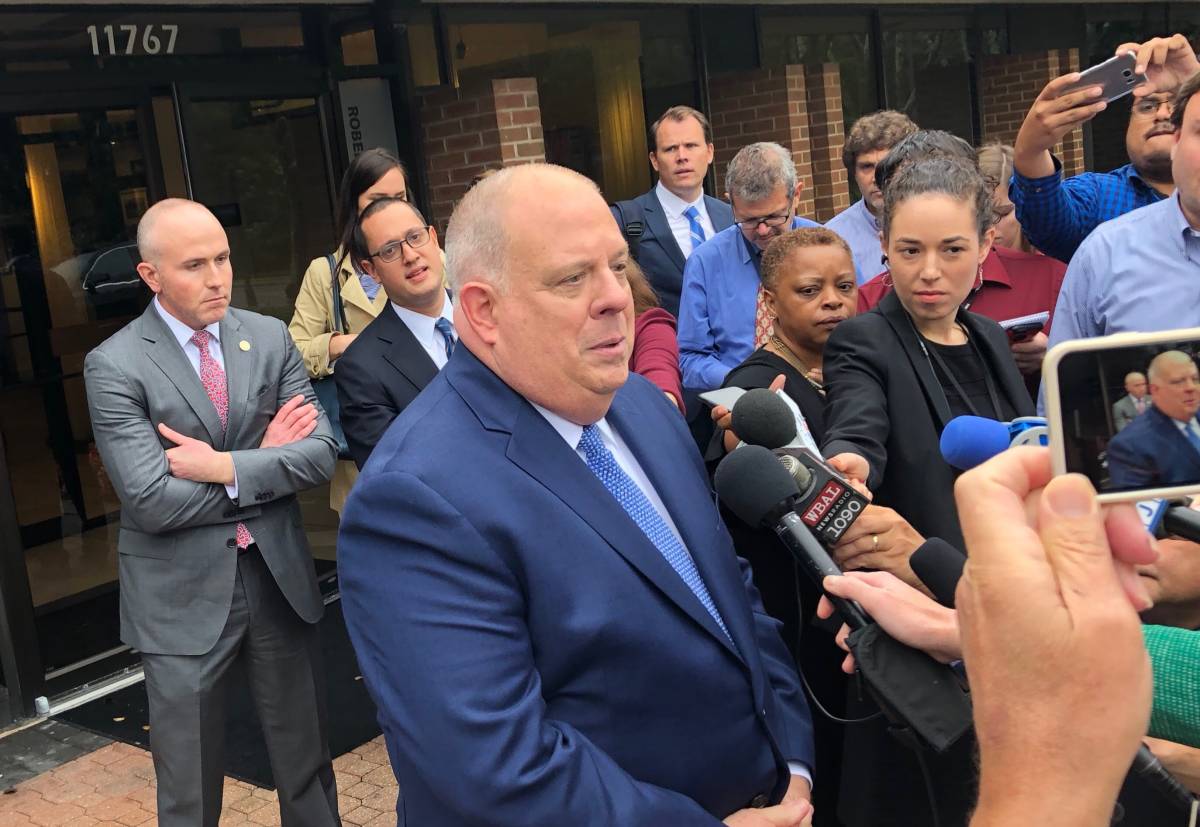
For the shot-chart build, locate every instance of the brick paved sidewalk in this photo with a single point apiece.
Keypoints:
(113, 786)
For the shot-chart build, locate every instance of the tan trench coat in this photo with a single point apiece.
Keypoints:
(312, 326)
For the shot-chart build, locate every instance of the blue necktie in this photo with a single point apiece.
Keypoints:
(443, 326)
(604, 465)
(1191, 435)
(694, 229)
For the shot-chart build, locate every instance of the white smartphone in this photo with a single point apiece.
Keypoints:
(722, 396)
(1135, 444)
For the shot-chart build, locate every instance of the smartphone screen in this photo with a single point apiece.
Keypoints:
(1127, 415)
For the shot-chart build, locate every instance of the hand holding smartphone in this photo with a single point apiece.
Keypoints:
(1117, 77)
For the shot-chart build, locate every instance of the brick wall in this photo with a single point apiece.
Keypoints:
(827, 134)
(797, 107)
(1011, 83)
(494, 124)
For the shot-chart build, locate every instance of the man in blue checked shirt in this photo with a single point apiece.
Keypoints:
(1058, 214)
(722, 315)
(1141, 272)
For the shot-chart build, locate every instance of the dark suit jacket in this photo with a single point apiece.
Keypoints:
(885, 403)
(535, 659)
(381, 372)
(1150, 452)
(658, 251)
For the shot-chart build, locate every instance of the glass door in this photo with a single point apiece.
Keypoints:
(261, 164)
(73, 184)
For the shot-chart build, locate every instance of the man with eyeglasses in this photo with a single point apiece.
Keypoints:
(403, 349)
(722, 313)
(1058, 214)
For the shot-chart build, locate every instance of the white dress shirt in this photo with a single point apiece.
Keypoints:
(1191, 425)
(183, 334)
(675, 207)
(571, 433)
(423, 329)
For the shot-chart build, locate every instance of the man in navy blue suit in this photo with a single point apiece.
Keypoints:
(676, 216)
(1161, 447)
(545, 605)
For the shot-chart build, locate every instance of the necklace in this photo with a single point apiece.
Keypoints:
(788, 355)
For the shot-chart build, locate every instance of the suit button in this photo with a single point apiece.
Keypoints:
(231, 542)
(759, 801)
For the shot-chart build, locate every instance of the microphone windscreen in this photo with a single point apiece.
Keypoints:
(968, 441)
(1175, 661)
(939, 566)
(752, 483)
(762, 418)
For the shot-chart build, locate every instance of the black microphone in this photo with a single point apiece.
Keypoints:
(755, 487)
(762, 418)
(939, 566)
(829, 504)
(1182, 521)
(919, 696)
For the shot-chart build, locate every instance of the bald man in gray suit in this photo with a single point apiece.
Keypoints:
(208, 427)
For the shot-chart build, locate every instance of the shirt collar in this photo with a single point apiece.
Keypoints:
(1180, 228)
(673, 204)
(867, 216)
(421, 325)
(994, 269)
(182, 332)
(568, 430)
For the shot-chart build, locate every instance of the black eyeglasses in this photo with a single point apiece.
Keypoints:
(414, 238)
(772, 221)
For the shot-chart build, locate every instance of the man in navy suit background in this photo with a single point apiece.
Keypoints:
(676, 215)
(1162, 446)
(545, 605)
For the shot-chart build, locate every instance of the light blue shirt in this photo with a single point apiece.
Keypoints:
(858, 226)
(183, 334)
(1138, 273)
(716, 308)
(570, 432)
(674, 208)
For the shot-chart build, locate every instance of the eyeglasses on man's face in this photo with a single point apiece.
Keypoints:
(1148, 107)
(772, 221)
(414, 238)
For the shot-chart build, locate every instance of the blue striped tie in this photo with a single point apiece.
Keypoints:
(443, 326)
(694, 229)
(604, 465)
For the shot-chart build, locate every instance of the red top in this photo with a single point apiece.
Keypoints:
(656, 352)
(1015, 284)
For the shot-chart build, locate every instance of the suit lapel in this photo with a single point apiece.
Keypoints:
(898, 319)
(239, 368)
(680, 498)
(656, 220)
(719, 213)
(402, 350)
(163, 349)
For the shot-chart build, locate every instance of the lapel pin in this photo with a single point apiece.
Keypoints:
(244, 345)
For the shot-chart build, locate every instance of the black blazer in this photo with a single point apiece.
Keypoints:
(885, 403)
(658, 252)
(381, 372)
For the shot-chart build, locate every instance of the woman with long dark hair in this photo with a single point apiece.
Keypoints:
(321, 334)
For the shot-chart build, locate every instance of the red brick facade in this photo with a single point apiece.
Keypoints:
(1010, 86)
(795, 106)
(470, 129)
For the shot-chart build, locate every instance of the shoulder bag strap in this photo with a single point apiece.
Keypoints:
(339, 311)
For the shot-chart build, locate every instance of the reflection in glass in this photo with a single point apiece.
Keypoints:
(846, 41)
(591, 88)
(74, 186)
(927, 67)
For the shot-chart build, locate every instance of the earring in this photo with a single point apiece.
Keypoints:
(978, 280)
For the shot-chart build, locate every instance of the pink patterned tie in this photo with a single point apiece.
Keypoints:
(763, 323)
(213, 380)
